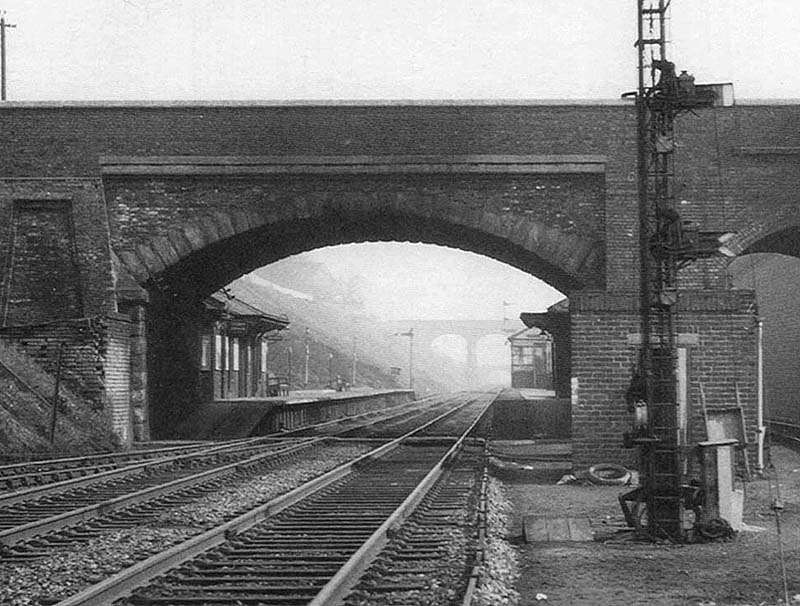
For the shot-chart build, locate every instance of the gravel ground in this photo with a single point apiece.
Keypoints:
(745, 571)
(71, 569)
(500, 569)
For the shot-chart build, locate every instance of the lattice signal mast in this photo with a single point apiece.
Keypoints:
(666, 244)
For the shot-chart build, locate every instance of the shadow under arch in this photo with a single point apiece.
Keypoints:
(778, 232)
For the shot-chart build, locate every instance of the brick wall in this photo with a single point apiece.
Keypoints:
(720, 184)
(61, 140)
(572, 203)
(54, 250)
(43, 277)
(117, 376)
(542, 211)
(139, 412)
(95, 360)
(726, 179)
(717, 328)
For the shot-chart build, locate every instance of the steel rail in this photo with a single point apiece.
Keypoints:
(139, 574)
(27, 531)
(105, 458)
(24, 532)
(393, 412)
(476, 574)
(36, 492)
(334, 592)
(33, 480)
(411, 418)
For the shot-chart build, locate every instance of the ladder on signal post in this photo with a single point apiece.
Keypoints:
(661, 452)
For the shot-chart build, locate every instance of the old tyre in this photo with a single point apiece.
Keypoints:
(608, 474)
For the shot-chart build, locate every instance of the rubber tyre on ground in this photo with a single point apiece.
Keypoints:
(608, 474)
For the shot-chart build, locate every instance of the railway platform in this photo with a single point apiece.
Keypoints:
(530, 436)
(242, 417)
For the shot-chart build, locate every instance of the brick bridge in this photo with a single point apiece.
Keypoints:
(115, 215)
(472, 332)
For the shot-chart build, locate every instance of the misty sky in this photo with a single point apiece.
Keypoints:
(423, 281)
(382, 49)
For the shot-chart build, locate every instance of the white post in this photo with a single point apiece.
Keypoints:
(760, 429)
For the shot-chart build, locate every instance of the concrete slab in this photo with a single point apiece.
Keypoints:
(546, 529)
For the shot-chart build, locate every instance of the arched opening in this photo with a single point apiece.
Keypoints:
(775, 278)
(222, 261)
(173, 342)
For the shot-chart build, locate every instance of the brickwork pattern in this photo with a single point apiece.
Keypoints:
(43, 281)
(736, 171)
(62, 248)
(138, 372)
(723, 358)
(558, 218)
(720, 184)
(117, 376)
(95, 360)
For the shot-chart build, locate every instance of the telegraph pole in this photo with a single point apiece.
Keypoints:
(355, 362)
(305, 373)
(3, 26)
(506, 319)
(289, 379)
(410, 335)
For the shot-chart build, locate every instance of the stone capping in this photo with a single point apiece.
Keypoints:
(343, 165)
(248, 103)
(731, 301)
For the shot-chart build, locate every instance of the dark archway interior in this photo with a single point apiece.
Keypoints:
(772, 270)
(784, 242)
(172, 389)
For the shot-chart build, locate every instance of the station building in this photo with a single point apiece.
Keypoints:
(531, 359)
(233, 348)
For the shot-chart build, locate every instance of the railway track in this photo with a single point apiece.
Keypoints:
(18, 476)
(27, 517)
(27, 474)
(358, 426)
(431, 559)
(290, 558)
(28, 514)
(458, 407)
(313, 541)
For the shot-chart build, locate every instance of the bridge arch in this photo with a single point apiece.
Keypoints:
(198, 258)
(776, 232)
(543, 214)
(184, 227)
(206, 253)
